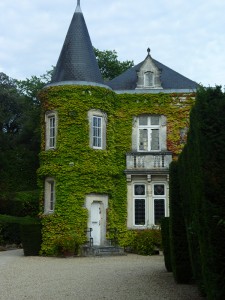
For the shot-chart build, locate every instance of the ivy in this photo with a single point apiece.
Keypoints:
(96, 171)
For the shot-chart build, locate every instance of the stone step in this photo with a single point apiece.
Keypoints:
(101, 251)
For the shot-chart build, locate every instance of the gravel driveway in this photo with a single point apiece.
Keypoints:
(131, 277)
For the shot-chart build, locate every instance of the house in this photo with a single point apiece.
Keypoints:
(107, 146)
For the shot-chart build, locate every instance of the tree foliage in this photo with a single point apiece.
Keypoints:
(19, 137)
(109, 64)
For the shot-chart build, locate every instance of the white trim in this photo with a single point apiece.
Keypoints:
(149, 127)
(49, 195)
(98, 114)
(140, 197)
(51, 131)
(149, 199)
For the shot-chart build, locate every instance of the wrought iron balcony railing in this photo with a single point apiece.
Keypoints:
(148, 160)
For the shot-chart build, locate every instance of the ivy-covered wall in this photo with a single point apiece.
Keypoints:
(96, 171)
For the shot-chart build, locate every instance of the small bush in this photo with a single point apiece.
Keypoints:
(31, 237)
(147, 242)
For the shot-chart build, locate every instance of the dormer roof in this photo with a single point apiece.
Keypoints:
(165, 78)
(77, 61)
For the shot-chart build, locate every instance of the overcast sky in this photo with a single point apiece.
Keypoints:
(187, 36)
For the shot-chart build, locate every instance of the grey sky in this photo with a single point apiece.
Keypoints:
(187, 36)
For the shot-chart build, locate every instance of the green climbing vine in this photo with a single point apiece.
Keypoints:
(96, 171)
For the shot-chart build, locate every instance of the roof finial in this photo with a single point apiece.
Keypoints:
(78, 9)
(148, 50)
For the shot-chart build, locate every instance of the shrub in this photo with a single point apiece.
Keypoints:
(31, 237)
(147, 242)
(11, 229)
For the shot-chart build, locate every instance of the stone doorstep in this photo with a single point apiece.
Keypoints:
(102, 251)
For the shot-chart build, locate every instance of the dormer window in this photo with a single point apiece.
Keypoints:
(148, 75)
(148, 79)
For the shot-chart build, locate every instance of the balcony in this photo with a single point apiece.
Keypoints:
(148, 161)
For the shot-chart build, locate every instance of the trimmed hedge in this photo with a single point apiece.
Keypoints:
(31, 238)
(25, 230)
(165, 232)
(180, 259)
(201, 176)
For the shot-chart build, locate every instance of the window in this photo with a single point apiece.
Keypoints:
(159, 202)
(148, 75)
(147, 202)
(139, 204)
(97, 132)
(97, 129)
(149, 133)
(148, 79)
(51, 130)
(49, 195)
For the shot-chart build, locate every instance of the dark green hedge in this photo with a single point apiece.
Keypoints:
(165, 232)
(25, 230)
(201, 175)
(31, 238)
(180, 258)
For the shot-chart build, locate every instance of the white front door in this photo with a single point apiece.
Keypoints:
(96, 223)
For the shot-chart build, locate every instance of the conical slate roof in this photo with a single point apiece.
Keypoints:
(77, 61)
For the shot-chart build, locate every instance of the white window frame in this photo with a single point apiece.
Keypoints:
(51, 130)
(149, 78)
(149, 127)
(50, 198)
(101, 131)
(158, 197)
(97, 122)
(150, 199)
(139, 197)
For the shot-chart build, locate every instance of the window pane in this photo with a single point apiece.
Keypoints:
(148, 79)
(97, 132)
(155, 139)
(139, 189)
(154, 120)
(159, 208)
(143, 120)
(139, 211)
(52, 195)
(143, 139)
(52, 132)
(159, 189)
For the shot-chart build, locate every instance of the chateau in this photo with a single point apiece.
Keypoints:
(107, 146)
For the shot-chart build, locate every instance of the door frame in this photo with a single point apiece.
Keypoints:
(102, 199)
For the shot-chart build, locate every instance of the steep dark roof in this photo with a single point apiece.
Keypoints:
(170, 79)
(77, 61)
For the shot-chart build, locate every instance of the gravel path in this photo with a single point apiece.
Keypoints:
(130, 277)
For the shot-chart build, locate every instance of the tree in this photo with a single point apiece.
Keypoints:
(109, 64)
